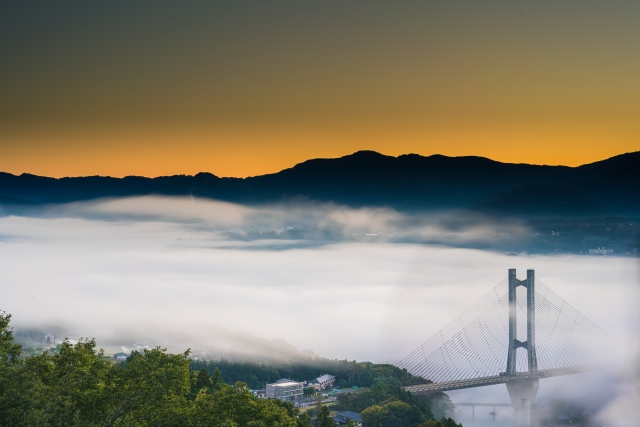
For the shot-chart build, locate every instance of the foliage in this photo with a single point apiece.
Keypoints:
(347, 373)
(324, 418)
(236, 406)
(309, 391)
(440, 404)
(386, 403)
(444, 422)
(384, 390)
(304, 420)
(394, 413)
(78, 387)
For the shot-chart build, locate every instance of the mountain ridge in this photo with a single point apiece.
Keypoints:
(409, 182)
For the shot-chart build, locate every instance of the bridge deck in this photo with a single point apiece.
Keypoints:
(497, 379)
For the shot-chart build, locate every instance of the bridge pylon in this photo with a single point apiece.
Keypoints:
(522, 391)
(472, 349)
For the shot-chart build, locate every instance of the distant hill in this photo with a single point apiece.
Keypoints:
(408, 183)
(4, 200)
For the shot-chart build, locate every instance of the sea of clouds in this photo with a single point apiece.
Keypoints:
(225, 278)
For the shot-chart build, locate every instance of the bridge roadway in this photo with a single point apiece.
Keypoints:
(497, 379)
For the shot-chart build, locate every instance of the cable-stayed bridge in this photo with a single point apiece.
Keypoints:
(515, 338)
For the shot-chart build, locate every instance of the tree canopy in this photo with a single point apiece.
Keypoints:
(347, 373)
(76, 385)
(79, 387)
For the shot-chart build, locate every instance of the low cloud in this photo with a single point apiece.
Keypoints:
(318, 223)
(177, 272)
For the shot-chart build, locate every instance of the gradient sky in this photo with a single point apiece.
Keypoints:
(250, 87)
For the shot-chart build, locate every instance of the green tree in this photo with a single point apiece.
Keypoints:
(449, 422)
(366, 378)
(384, 389)
(292, 411)
(217, 382)
(441, 405)
(444, 422)
(77, 386)
(392, 414)
(324, 418)
(13, 402)
(203, 380)
(200, 381)
(151, 386)
(236, 406)
(304, 420)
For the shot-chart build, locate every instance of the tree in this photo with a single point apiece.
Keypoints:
(309, 391)
(441, 405)
(203, 380)
(12, 401)
(347, 373)
(200, 381)
(444, 422)
(9, 351)
(449, 422)
(236, 406)
(324, 418)
(366, 378)
(76, 386)
(392, 414)
(304, 420)
(151, 385)
(217, 382)
(292, 411)
(384, 390)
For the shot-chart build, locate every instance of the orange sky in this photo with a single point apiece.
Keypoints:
(248, 88)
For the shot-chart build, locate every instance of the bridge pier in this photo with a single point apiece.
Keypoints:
(522, 393)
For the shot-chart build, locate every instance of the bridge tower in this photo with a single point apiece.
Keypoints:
(522, 391)
(470, 351)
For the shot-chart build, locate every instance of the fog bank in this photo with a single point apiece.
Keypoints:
(165, 272)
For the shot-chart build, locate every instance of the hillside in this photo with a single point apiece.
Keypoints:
(408, 183)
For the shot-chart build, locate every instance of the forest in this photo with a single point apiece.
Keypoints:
(347, 373)
(78, 385)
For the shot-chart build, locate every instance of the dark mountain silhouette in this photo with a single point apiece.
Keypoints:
(408, 182)
(4, 200)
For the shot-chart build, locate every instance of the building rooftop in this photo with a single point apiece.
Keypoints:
(286, 382)
(325, 377)
(349, 415)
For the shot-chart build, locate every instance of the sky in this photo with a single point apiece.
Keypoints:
(162, 271)
(248, 87)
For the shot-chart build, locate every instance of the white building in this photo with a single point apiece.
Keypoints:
(323, 382)
(284, 389)
(600, 251)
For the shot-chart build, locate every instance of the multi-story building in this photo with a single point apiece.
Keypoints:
(323, 382)
(284, 389)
